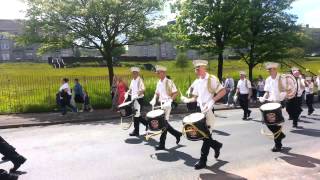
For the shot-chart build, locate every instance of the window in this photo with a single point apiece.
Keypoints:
(5, 45)
(5, 56)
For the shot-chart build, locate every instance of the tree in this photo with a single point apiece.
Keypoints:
(210, 24)
(182, 60)
(268, 30)
(106, 25)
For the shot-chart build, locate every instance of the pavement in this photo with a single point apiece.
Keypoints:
(103, 151)
(44, 119)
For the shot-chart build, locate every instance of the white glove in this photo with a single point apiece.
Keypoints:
(185, 99)
(262, 99)
(188, 92)
(167, 103)
(208, 106)
(282, 96)
(153, 101)
(126, 95)
(235, 98)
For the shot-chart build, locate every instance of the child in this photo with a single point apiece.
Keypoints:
(86, 105)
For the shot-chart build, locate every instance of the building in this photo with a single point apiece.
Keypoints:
(8, 48)
(163, 51)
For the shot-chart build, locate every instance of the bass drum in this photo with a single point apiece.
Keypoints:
(272, 113)
(195, 127)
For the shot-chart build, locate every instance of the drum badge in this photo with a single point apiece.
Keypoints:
(271, 117)
(154, 124)
(191, 131)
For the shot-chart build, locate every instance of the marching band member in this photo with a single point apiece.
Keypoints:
(300, 89)
(136, 92)
(318, 84)
(309, 94)
(277, 89)
(244, 89)
(166, 92)
(206, 92)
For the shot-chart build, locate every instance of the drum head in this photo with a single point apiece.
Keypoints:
(155, 113)
(270, 106)
(125, 104)
(194, 117)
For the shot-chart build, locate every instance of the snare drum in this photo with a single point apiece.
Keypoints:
(195, 127)
(272, 113)
(126, 109)
(156, 120)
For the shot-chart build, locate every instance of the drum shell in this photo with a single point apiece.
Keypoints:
(156, 123)
(126, 111)
(272, 117)
(196, 136)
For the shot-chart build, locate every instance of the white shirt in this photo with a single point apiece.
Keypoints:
(244, 86)
(65, 86)
(272, 87)
(161, 89)
(201, 89)
(318, 82)
(309, 88)
(136, 86)
(229, 83)
(301, 86)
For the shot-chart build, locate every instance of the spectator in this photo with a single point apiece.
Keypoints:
(121, 89)
(65, 96)
(86, 105)
(260, 87)
(318, 84)
(229, 86)
(78, 93)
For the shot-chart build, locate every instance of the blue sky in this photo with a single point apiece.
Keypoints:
(308, 11)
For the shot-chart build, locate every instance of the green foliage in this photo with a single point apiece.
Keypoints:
(182, 60)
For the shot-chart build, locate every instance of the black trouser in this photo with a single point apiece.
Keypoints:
(293, 109)
(244, 103)
(309, 101)
(300, 100)
(277, 138)
(171, 130)
(8, 151)
(4, 175)
(206, 145)
(140, 119)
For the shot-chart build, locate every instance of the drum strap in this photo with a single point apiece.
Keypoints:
(209, 85)
(149, 135)
(128, 126)
(270, 135)
(184, 131)
(168, 87)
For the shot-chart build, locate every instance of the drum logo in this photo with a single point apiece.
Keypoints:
(191, 131)
(154, 124)
(271, 117)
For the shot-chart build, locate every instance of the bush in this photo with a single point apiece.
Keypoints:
(182, 60)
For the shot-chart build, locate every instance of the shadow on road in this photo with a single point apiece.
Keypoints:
(299, 159)
(307, 132)
(172, 155)
(221, 133)
(218, 173)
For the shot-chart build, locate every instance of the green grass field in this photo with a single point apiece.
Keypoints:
(31, 87)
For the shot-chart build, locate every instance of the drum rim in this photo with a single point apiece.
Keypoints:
(183, 120)
(148, 114)
(278, 104)
(124, 104)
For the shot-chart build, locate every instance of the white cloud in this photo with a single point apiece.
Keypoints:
(312, 18)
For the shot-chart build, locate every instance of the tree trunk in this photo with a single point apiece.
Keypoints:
(250, 72)
(108, 57)
(220, 65)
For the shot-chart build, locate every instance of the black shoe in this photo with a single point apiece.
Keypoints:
(160, 147)
(249, 113)
(290, 118)
(134, 134)
(17, 163)
(276, 149)
(309, 113)
(295, 126)
(200, 165)
(178, 139)
(217, 150)
(4, 158)
(244, 118)
(5, 175)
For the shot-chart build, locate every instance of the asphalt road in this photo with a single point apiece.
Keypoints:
(103, 151)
